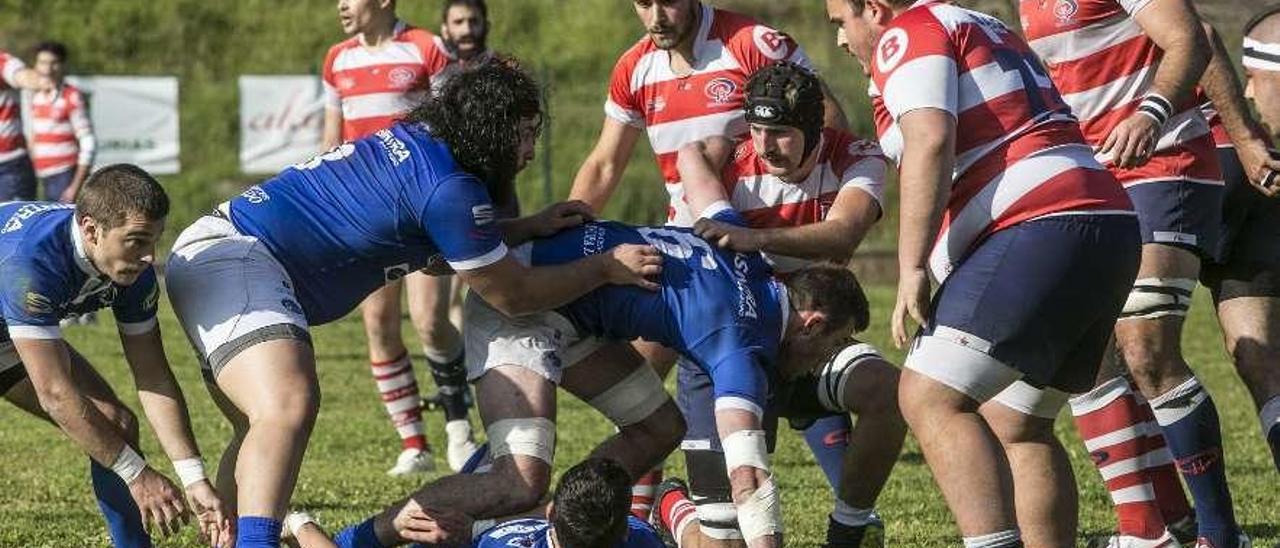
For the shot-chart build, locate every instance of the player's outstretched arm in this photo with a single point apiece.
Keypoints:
(1223, 87)
(700, 164)
(1175, 28)
(515, 289)
(550, 220)
(599, 174)
(925, 182)
(755, 494)
(48, 364)
(166, 410)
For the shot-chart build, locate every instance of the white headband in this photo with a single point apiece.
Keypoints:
(1261, 55)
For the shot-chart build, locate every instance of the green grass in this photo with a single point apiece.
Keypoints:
(48, 502)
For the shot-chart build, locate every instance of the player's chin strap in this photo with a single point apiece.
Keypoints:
(1261, 55)
(761, 513)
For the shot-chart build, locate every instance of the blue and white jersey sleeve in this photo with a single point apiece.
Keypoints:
(135, 308)
(32, 298)
(737, 369)
(462, 222)
(724, 212)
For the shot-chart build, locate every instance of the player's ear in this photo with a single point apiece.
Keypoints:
(878, 11)
(551, 510)
(813, 323)
(88, 228)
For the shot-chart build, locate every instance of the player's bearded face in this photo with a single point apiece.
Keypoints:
(529, 129)
(1263, 88)
(122, 252)
(781, 148)
(668, 22)
(465, 30)
(856, 33)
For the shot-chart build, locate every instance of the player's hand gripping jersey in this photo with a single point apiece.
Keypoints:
(47, 276)
(1019, 152)
(674, 110)
(722, 310)
(369, 212)
(536, 533)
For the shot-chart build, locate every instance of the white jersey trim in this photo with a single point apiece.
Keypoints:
(481, 261)
(41, 332)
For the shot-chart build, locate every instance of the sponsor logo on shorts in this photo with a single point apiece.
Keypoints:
(1174, 237)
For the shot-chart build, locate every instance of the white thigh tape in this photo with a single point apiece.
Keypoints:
(1153, 298)
(761, 513)
(745, 448)
(633, 399)
(531, 437)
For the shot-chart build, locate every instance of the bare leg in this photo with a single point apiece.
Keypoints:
(1044, 488)
(877, 436)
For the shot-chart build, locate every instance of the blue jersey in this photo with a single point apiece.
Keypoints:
(367, 213)
(723, 310)
(533, 533)
(46, 276)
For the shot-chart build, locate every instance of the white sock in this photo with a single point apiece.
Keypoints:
(438, 355)
(1270, 415)
(1193, 393)
(1002, 539)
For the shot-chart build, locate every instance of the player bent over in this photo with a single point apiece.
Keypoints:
(1032, 240)
(590, 509)
(809, 195)
(60, 260)
(307, 246)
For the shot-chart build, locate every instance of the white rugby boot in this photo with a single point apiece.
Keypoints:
(1125, 541)
(412, 461)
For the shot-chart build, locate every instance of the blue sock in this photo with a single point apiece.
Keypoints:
(257, 532)
(828, 437)
(360, 535)
(1189, 420)
(124, 521)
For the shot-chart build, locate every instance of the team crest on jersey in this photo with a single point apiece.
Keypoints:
(255, 195)
(771, 43)
(892, 48)
(402, 77)
(36, 303)
(1065, 10)
(720, 90)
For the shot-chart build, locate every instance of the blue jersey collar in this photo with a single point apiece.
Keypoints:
(77, 243)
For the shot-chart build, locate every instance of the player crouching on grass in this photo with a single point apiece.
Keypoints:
(809, 196)
(590, 509)
(305, 247)
(58, 261)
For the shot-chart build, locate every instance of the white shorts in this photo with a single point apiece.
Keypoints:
(229, 293)
(544, 343)
(1037, 402)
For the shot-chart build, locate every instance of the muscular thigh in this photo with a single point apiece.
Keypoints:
(428, 294)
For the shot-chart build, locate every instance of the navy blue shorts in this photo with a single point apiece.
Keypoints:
(1036, 302)
(56, 184)
(1247, 262)
(17, 180)
(1179, 213)
(695, 396)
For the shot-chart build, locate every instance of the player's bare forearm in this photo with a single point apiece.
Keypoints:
(699, 176)
(832, 240)
(516, 290)
(29, 79)
(602, 170)
(48, 364)
(925, 182)
(1223, 87)
(332, 133)
(1175, 28)
(160, 395)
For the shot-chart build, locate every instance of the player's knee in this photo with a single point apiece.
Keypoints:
(641, 407)
(1016, 428)
(662, 430)
(523, 451)
(296, 410)
(873, 390)
(1254, 359)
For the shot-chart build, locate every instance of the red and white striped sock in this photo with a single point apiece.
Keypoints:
(643, 491)
(399, 389)
(1170, 496)
(1111, 422)
(676, 512)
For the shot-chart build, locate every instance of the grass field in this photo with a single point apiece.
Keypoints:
(47, 498)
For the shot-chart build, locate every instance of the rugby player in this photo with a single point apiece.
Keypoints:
(60, 260)
(590, 509)
(464, 28)
(305, 247)
(62, 142)
(371, 79)
(1244, 278)
(1144, 120)
(1034, 245)
(17, 178)
(682, 82)
(809, 195)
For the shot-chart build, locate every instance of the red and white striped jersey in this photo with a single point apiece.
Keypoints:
(1019, 153)
(374, 87)
(675, 110)
(1104, 64)
(765, 201)
(61, 134)
(12, 143)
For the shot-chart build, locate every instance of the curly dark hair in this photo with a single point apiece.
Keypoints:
(479, 113)
(591, 505)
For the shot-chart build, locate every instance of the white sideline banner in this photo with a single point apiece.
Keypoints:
(281, 120)
(135, 120)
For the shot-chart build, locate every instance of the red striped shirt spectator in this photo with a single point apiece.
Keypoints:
(17, 179)
(62, 142)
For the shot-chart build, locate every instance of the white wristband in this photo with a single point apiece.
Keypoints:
(295, 520)
(190, 471)
(129, 464)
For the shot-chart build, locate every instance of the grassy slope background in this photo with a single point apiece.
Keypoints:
(573, 43)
